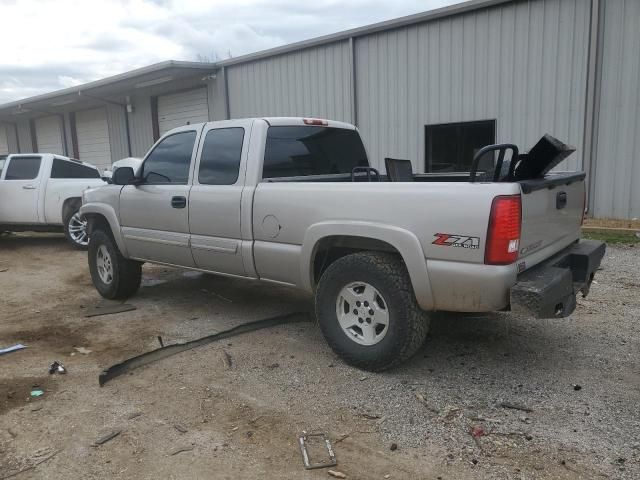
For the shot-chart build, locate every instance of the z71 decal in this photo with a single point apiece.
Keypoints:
(452, 240)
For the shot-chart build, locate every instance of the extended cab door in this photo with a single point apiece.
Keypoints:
(214, 204)
(154, 215)
(19, 190)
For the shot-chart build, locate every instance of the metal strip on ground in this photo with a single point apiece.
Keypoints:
(169, 350)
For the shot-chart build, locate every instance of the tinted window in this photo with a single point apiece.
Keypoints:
(220, 159)
(169, 161)
(2, 160)
(450, 147)
(23, 168)
(299, 151)
(66, 169)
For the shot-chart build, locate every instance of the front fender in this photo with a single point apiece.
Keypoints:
(402, 240)
(109, 214)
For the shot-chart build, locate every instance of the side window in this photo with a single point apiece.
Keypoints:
(169, 161)
(23, 168)
(67, 169)
(220, 159)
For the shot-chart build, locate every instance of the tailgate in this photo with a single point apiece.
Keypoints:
(552, 209)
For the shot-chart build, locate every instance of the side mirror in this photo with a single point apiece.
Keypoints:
(124, 176)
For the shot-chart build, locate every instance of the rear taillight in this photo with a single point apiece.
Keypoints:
(503, 234)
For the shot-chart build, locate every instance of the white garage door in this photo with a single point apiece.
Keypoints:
(92, 131)
(182, 108)
(4, 142)
(49, 135)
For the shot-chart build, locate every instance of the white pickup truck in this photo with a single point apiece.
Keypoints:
(294, 201)
(42, 192)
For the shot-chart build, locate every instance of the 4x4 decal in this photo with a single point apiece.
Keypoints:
(454, 240)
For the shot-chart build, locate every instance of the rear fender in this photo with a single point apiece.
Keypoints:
(405, 242)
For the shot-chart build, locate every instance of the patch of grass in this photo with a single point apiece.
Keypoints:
(612, 237)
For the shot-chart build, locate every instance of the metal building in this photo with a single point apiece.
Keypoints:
(431, 87)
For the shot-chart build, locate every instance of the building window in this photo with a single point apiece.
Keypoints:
(450, 147)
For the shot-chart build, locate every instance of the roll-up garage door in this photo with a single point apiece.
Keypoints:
(92, 131)
(4, 142)
(49, 135)
(178, 109)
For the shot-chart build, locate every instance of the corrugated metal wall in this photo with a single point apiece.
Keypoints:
(617, 166)
(141, 126)
(118, 143)
(313, 82)
(24, 136)
(522, 63)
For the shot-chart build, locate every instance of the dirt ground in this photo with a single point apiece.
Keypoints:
(574, 383)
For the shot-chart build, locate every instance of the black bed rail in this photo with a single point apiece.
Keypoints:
(501, 148)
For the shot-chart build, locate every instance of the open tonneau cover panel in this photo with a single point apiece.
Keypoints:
(541, 159)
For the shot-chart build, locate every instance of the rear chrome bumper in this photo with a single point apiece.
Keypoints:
(549, 289)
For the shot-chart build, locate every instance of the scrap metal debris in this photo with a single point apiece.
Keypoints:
(180, 428)
(170, 350)
(109, 307)
(226, 359)
(105, 438)
(180, 450)
(82, 350)
(515, 406)
(308, 463)
(12, 348)
(336, 474)
(57, 367)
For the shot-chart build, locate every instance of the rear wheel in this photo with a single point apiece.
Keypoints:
(113, 275)
(75, 228)
(368, 312)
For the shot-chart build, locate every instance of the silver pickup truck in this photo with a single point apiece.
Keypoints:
(294, 201)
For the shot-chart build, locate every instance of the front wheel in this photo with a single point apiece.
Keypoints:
(113, 275)
(368, 312)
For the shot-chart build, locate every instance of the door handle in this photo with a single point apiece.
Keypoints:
(29, 187)
(178, 202)
(561, 200)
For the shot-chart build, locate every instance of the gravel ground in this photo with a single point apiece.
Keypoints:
(574, 383)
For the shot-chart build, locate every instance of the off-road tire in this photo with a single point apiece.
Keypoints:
(408, 324)
(126, 273)
(68, 215)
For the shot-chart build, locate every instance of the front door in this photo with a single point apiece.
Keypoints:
(214, 205)
(155, 214)
(19, 190)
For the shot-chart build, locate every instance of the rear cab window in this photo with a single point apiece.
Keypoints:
(69, 169)
(296, 151)
(23, 168)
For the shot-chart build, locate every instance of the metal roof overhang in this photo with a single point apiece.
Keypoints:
(113, 89)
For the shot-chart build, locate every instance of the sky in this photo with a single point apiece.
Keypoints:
(47, 45)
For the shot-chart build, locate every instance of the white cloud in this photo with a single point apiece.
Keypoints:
(51, 44)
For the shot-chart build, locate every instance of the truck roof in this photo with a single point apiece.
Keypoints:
(281, 122)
